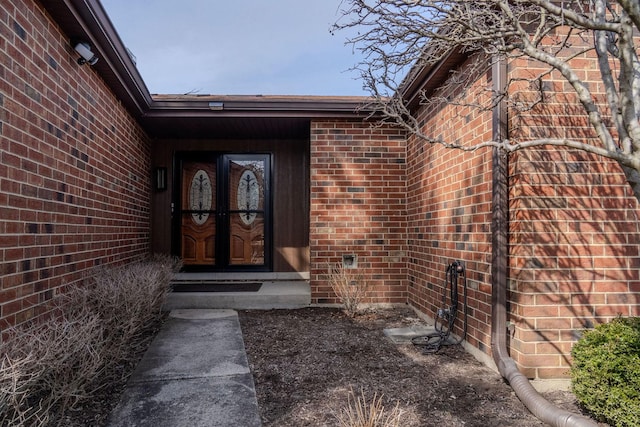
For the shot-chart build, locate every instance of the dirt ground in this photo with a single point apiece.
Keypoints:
(306, 361)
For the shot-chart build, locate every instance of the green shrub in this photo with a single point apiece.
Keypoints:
(605, 374)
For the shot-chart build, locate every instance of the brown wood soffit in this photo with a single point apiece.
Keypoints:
(87, 20)
(244, 116)
(241, 117)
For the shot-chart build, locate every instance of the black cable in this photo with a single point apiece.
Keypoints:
(433, 342)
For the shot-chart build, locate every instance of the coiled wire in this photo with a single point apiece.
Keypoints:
(446, 316)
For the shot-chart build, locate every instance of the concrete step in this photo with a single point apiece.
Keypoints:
(241, 277)
(273, 294)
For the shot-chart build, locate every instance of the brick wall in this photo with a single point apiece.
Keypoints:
(574, 232)
(575, 253)
(74, 167)
(449, 213)
(358, 206)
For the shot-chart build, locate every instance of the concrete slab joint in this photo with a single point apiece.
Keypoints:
(195, 373)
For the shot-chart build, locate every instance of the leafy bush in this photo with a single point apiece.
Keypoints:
(49, 366)
(606, 371)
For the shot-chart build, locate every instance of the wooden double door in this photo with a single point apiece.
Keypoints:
(223, 220)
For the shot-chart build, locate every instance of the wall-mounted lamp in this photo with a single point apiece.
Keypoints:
(86, 55)
(161, 179)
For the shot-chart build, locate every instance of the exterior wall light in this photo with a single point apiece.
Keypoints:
(161, 179)
(86, 55)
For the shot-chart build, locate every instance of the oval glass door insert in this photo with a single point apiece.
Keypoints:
(200, 194)
(248, 196)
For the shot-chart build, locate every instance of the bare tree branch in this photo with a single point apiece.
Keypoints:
(632, 7)
(399, 38)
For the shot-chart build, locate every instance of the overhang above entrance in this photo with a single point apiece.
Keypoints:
(245, 116)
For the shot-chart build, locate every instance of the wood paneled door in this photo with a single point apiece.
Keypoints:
(223, 220)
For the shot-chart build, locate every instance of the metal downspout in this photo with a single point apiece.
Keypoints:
(507, 367)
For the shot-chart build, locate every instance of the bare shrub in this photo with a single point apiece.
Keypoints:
(49, 367)
(349, 287)
(17, 376)
(126, 299)
(359, 412)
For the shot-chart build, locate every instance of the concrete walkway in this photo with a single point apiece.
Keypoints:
(194, 374)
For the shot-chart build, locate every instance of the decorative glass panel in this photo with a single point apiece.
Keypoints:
(246, 215)
(198, 213)
(248, 196)
(200, 197)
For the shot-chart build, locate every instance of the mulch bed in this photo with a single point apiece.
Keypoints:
(305, 363)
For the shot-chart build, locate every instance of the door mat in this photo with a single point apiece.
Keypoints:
(217, 287)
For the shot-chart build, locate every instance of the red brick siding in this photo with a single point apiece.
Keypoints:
(575, 253)
(449, 214)
(574, 233)
(74, 167)
(358, 206)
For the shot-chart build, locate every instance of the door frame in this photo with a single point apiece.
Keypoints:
(222, 250)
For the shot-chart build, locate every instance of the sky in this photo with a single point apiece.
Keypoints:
(237, 47)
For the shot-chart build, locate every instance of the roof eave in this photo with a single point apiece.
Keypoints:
(87, 20)
(423, 80)
(260, 106)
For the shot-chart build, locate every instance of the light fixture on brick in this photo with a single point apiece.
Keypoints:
(86, 54)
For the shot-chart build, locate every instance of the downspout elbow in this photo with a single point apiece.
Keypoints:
(535, 403)
(507, 367)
